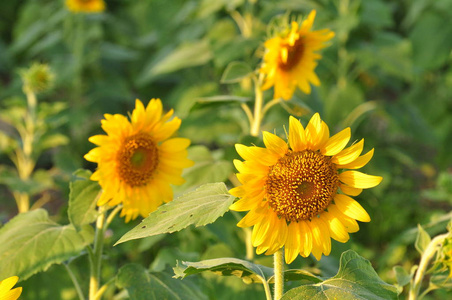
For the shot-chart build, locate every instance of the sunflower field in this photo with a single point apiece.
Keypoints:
(225, 149)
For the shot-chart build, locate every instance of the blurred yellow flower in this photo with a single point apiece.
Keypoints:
(85, 6)
(290, 59)
(6, 291)
(291, 190)
(137, 160)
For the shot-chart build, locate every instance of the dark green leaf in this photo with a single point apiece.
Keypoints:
(199, 207)
(82, 199)
(235, 72)
(243, 269)
(31, 242)
(356, 279)
(144, 285)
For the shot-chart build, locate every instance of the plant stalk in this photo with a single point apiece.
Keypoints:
(96, 257)
(258, 104)
(427, 256)
(278, 264)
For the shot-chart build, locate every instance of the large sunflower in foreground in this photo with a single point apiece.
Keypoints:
(137, 160)
(290, 58)
(85, 6)
(292, 191)
(6, 291)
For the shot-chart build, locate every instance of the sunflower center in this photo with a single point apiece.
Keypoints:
(301, 185)
(137, 159)
(294, 55)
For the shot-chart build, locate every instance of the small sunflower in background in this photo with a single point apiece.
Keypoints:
(6, 291)
(137, 160)
(298, 193)
(85, 6)
(290, 58)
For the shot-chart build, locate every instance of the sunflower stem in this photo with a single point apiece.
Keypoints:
(75, 282)
(258, 103)
(428, 254)
(278, 264)
(96, 257)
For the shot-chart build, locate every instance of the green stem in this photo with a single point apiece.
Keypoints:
(428, 254)
(268, 294)
(258, 103)
(96, 255)
(278, 265)
(75, 282)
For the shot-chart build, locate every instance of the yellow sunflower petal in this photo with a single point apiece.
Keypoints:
(349, 154)
(324, 234)
(349, 223)
(7, 284)
(336, 143)
(297, 137)
(174, 145)
(275, 144)
(260, 155)
(99, 139)
(359, 162)
(317, 247)
(351, 208)
(249, 219)
(313, 132)
(306, 238)
(337, 229)
(260, 231)
(359, 180)
(350, 190)
(292, 245)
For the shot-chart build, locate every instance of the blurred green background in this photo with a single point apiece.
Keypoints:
(387, 75)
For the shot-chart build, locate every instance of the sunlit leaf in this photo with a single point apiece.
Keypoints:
(422, 239)
(243, 269)
(199, 207)
(356, 279)
(141, 284)
(82, 199)
(31, 242)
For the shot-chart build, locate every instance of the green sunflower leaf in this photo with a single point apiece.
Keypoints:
(141, 284)
(82, 199)
(422, 239)
(243, 269)
(31, 243)
(199, 207)
(235, 72)
(356, 279)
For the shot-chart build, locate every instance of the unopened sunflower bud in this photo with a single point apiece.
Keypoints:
(38, 78)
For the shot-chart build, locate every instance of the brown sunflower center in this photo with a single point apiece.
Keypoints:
(301, 185)
(294, 55)
(137, 159)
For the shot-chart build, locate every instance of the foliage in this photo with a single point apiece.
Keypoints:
(386, 74)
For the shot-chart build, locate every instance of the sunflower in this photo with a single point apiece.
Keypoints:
(6, 293)
(296, 193)
(290, 58)
(137, 160)
(85, 6)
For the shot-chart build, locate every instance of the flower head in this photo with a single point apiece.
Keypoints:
(85, 6)
(6, 291)
(137, 160)
(291, 58)
(297, 193)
